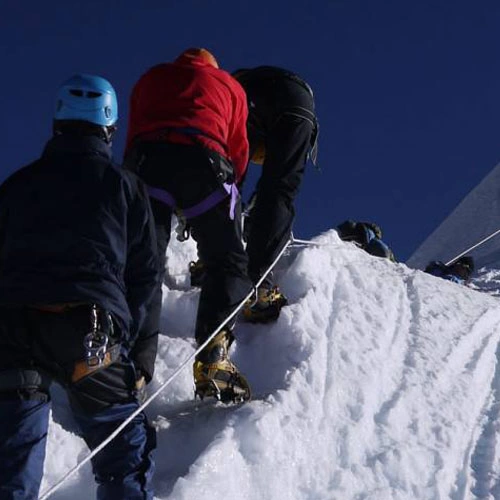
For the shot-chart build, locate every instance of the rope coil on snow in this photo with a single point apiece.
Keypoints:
(153, 396)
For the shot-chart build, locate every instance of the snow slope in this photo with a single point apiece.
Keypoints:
(377, 382)
(476, 217)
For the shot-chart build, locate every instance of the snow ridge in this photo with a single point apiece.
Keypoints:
(377, 382)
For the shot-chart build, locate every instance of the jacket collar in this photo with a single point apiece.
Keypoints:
(77, 145)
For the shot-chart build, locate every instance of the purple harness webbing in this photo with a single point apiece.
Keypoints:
(203, 206)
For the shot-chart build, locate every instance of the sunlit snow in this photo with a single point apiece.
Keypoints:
(377, 382)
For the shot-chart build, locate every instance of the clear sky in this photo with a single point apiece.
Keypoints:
(407, 92)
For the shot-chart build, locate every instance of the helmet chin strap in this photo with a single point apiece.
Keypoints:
(109, 132)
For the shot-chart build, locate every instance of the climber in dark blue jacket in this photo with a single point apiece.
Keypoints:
(367, 235)
(459, 271)
(78, 269)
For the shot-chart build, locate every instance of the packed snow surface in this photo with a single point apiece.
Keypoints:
(377, 382)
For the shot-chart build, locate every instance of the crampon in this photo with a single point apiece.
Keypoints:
(233, 390)
(216, 376)
(266, 308)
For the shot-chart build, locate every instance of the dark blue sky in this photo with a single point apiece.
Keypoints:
(407, 92)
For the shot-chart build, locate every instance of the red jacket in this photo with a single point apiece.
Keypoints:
(190, 93)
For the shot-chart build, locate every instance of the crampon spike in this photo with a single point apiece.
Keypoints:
(236, 392)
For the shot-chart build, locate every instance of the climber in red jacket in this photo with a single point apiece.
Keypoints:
(192, 100)
(187, 140)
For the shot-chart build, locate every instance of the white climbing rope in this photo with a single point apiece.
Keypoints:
(472, 247)
(297, 242)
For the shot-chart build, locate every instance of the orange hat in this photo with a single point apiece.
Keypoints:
(200, 53)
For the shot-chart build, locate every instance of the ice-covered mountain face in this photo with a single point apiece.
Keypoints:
(377, 382)
(474, 219)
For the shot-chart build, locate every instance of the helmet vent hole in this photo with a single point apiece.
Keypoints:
(76, 92)
(93, 95)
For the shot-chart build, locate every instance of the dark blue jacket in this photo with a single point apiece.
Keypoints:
(367, 235)
(74, 227)
(441, 270)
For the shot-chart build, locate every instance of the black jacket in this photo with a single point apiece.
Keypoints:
(273, 92)
(74, 227)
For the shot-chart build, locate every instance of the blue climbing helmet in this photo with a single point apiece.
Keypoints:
(87, 98)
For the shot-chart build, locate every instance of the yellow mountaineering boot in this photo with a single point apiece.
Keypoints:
(216, 376)
(266, 308)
